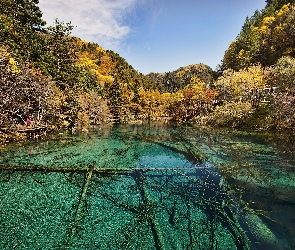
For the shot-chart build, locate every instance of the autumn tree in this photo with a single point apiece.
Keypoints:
(243, 51)
(283, 112)
(264, 38)
(23, 91)
(242, 85)
(191, 102)
(231, 114)
(277, 35)
(284, 73)
(124, 90)
(178, 79)
(20, 25)
(93, 59)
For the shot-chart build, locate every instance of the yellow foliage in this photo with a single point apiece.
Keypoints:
(284, 10)
(82, 43)
(89, 59)
(230, 53)
(107, 65)
(166, 96)
(86, 59)
(237, 84)
(197, 81)
(243, 58)
(180, 73)
(279, 28)
(91, 62)
(265, 25)
(195, 89)
(106, 79)
(263, 29)
(4, 52)
(241, 54)
(231, 114)
(268, 20)
(289, 50)
(177, 97)
(100, 50)
(12, 66)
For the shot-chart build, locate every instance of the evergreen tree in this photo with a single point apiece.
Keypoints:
(26, 12)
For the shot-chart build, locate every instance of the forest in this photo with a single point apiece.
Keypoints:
(53, 80)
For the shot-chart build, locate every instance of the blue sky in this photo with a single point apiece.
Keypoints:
(156, 35)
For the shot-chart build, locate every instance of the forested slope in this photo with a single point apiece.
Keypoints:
(178, 79)
(262, 56)
(265, 37)
(59, 81)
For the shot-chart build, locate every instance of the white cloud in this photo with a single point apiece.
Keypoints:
(98, 21)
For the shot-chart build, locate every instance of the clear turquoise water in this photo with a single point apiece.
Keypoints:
(152, 187)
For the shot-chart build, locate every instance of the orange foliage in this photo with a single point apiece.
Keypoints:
(107, 65)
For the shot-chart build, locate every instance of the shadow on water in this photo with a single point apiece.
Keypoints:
(148, 187)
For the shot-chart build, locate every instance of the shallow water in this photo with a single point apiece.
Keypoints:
(149, 187)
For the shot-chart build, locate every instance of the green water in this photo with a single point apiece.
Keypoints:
(149, 187)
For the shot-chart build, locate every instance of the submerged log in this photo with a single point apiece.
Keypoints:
(152, 219)
(82, 201)
(61, 169)
(95, 170)
(191, 153)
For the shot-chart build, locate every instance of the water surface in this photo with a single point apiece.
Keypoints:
(149, 187)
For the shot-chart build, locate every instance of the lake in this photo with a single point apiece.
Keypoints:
(150, 186)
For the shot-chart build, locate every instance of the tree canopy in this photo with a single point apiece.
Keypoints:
(61, 81)
(265, 37)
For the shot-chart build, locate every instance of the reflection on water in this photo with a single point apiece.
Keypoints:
(149, 187)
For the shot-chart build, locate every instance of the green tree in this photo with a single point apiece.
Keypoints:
(126, 85)
(60, 45)
(264, 38)
(243, 51)
(26, 12)
(22, 40)
(176, 80)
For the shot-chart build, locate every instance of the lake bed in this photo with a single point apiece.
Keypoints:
(149, 186)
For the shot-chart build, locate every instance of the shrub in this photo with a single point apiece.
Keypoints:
(231, 114)
(283, 115)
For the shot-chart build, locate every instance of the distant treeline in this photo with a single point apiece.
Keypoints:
(60, 81)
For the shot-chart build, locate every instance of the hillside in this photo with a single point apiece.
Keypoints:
(258, 70)
(57, 80)
(265, 37)
(178, 79)
(51, 79)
